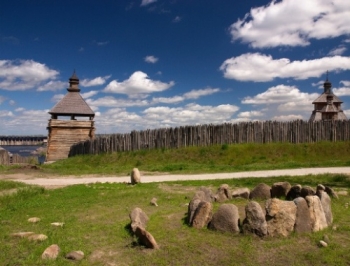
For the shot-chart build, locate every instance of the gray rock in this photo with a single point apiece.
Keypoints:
(34, 220)
(261, 191)
(320, 187)
(280, 217)
(303, 223)
(154, 202)
(208, 194)
(323, 244)
(241, 193)
(225, 219)
(145, 238)
(202, 215)
(280, 189)
(192, 207)
(294, 192)
(254, 221)
(37, 237)
(331, 192)
(135, 176)
(51, 252)
(317, 215)
(75, 255)
(223, 193)
(326, 205)
(307, 191)
(138, 219)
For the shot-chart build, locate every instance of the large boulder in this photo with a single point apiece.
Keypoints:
(223, 193)
(331, 192)
(261, 191)
(207, 194)
(318, 217)
(135, 176)
(303, 223)
(326, 205)
(202, 215)
(254, 221)
(138, 219)
(280, 217)
(241, 193)
(280, 189)
(226, 219)
(294, 192)
(51, 252)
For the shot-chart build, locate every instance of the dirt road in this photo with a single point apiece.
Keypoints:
(70, 180)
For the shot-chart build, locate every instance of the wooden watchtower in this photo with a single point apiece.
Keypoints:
(327, 106)
(63, 133)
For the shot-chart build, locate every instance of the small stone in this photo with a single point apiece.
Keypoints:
(51, 252)
(154, 202)
(22, 234)
(75, 255)
(37, 237)
(34, 220)
(323, 244)
(135, 176)
(57, 224)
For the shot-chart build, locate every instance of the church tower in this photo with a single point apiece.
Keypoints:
(64, 132)
(327, 106)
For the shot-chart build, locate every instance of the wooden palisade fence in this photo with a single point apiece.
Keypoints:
(297, 131)
(6, 159)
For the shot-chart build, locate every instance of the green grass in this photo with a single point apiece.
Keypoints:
(214, 159)
(96, 218)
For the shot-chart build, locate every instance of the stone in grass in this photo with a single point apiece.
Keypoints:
(202, 215)
(75, 255)
(223, 193)
(135, 176)
(294, 192)
(57, 224)
(331, 192)
(37, 237)
(192, 207)
(138, 218)
(323, 244)
(34, 220)
(261, 191)
(254, 221)
(241, 193)
(22, 234)
(318, 217)
(145, 238)
(303, 222)
(51, 252)
(326, 205)
(280, 189)
(154, 202)
(225, 219)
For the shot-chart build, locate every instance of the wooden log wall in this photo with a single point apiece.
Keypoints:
(6, 159)
(65, 133)
(204, 135)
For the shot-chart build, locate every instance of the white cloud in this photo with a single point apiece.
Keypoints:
(318, 84)
(53, 85)
(109, 101)
(147, 2)
(175, 99)
(138, 83)
(292, 23)
(94, 82)
(259, 68)
(345, 83)
(342, 91)
(4, 113)
(250, 114)
(281, 94)
(177, 19)
(19, 109)
(24, 74)
(195, 94)
(151, 59)
(287, 117)
(338, 51)
(88, 94)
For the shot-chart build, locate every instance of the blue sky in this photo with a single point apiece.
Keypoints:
(153, 63)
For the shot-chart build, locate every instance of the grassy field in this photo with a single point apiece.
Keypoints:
(97, 220)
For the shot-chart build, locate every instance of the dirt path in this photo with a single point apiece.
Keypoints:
(72, 180)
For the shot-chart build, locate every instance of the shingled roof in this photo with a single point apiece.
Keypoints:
(72, 103)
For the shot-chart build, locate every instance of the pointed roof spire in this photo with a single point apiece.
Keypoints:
(73, 83)
(327, 85)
